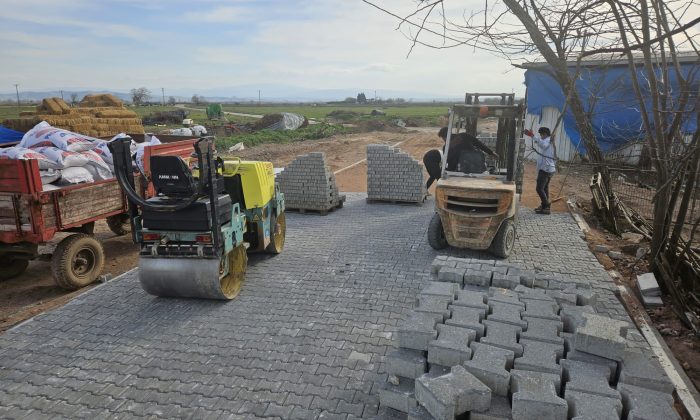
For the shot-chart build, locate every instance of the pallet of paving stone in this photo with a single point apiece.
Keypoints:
(322, 212)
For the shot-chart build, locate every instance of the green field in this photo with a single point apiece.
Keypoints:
(425, 112)
(11, 111)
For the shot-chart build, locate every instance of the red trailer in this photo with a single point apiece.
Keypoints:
(30, 217)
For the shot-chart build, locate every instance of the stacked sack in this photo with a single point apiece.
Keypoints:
(67, 158)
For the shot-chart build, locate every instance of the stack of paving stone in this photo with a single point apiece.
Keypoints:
(393, 175)
(481, 342)
(308, 184)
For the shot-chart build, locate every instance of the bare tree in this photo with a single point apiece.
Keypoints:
(140, 95)
(172, 100)
(196, 99)
(73, 98)
(563, 33)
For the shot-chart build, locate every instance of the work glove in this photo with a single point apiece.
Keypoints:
(528, 133)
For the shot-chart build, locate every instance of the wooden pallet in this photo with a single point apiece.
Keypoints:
(380, 201)
(318, 211)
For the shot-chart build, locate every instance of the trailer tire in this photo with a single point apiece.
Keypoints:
(436, 233)
(12, 267)
(119, 224)
(504, 241)
(77, 261)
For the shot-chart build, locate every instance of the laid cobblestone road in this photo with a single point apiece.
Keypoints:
(304, 339)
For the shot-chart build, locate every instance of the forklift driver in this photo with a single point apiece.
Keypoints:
(458, 143)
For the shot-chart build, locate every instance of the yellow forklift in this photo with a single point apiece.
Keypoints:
(476, 203)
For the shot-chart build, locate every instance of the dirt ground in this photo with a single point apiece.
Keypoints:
(34, 291)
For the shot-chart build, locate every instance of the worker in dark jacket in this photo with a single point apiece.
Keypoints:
(458, 143)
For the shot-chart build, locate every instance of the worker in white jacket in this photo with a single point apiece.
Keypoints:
(546, 153)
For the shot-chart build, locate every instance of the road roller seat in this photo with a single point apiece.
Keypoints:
(171, 177)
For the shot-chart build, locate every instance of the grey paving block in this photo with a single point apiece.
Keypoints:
(643, 370)
(500, 295)
(504, 336)
(452, 274)
(535, 396)
(436, 305)
(647, 285)
(601, 336)
(469, 318)
(500, 410)
(451, 347)
(584, 296)
(652, 301)
(610, 365)
(419, 413)
(588, 378)
(536, 308)
(437, 288)
(646, 404)
(406, 363)
(572, 316)
(505, 281)
(540, 357)
(506, 314)
(478, 277)
(491, 365)
(399, 397)
(471, 299)
(562, 297)
(453, 394)
(529, 278)
(584, 406)
(439, 262)
(534, 294)
(418, 330)
(544, 330)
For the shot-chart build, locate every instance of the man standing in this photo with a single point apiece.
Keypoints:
(545, 166)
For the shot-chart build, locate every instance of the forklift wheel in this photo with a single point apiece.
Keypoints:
(436, 235)
(504, 241)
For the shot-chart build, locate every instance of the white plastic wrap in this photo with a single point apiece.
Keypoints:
(62, 158)
(75, 175)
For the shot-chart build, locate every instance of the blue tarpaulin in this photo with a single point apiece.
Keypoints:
(9, 136)
(616, 116)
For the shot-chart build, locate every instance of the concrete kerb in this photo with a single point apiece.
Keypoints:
(75, 300)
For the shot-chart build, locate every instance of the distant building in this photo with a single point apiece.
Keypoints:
(605, 87)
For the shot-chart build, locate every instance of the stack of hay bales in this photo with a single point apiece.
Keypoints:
(96, 116)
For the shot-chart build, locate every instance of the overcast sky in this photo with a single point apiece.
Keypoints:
(326, 44)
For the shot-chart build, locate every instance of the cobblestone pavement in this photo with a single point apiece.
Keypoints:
(305, 338)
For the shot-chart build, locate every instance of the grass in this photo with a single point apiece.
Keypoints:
(11, 111)
(312, 132)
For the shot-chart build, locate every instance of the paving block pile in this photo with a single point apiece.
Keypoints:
(393, 175)
(309, 184)
(487, 340)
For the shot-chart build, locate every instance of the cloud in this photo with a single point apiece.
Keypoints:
(227, 14)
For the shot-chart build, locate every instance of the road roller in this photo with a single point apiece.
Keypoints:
(207, 213)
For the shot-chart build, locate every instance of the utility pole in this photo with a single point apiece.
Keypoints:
(17, 90)
(258, 97)
(62, 95)
(162, 90)
(375, 95)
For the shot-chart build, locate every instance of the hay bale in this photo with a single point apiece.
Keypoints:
(103, 100)
(53, 106)
(116, 113)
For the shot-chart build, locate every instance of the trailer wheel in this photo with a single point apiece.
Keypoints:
(77, 261)
(119, 224)
(436, 234)
(278, 231)
(11, 266)
(504, 241)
